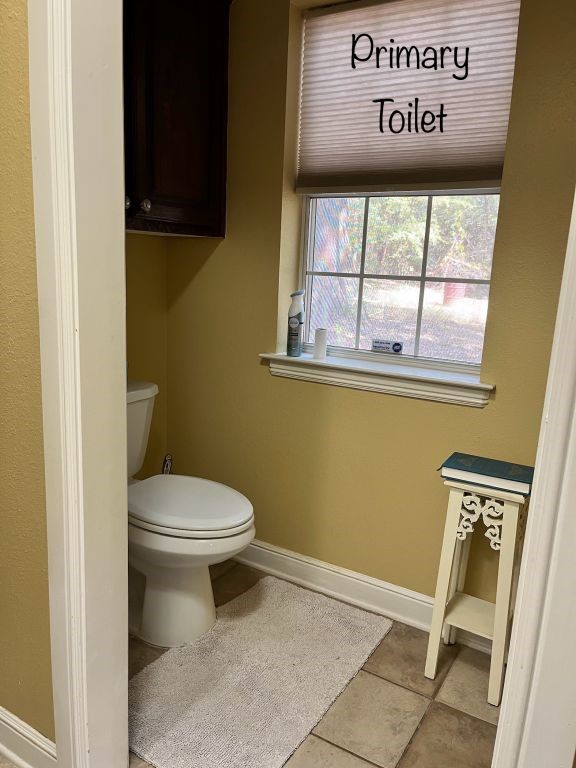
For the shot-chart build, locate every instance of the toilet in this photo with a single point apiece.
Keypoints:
(177, 527)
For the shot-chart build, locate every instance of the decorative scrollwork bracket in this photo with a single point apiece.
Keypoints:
(491, 511)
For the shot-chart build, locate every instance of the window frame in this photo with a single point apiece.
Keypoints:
(305, 277)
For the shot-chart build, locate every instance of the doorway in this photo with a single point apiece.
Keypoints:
(75, 70)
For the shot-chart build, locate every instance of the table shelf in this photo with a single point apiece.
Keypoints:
(472, 614)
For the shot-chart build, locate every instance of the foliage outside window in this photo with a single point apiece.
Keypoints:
(414, 269)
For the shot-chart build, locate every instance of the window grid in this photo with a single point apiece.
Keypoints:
(362, 264)
(422, 276)
(361, 275)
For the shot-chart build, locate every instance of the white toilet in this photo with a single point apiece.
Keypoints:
(177, 527)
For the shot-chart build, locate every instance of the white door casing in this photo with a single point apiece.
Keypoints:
(77, 148)
(537, 724)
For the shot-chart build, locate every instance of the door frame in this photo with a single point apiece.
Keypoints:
(77, 144)
(538, 716)
(76, 113)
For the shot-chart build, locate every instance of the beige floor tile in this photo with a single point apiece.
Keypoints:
(401, 656)
(140, 654)
(234, 583)
(137, 762)
(316, 753)
(448, 738)
(466, 686)
(374, 719)
(221, 568)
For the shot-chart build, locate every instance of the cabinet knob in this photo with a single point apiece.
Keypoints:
(127, 202)
(146, 205)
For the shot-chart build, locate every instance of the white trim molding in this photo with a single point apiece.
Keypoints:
(23, 745)
(54, 197)
(75, 51)
(539, 706)
(393, 378)
(398, 603)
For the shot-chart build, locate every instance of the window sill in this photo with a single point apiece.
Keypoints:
(393, 378)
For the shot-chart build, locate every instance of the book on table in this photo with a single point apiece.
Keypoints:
(490, 473)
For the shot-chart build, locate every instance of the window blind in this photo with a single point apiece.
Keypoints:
(429, 57)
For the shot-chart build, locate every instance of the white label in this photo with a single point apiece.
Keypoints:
(382, 345)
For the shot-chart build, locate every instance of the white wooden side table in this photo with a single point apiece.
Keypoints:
(503, 515)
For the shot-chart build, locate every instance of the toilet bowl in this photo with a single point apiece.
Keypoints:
(177, 527)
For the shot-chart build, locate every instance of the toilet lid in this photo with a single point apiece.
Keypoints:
(188, 503)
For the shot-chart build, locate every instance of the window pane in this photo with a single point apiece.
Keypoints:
(462, 232)
(453, 321)
(389, 310)
(338, 234)
(334, 306)
(395, 235)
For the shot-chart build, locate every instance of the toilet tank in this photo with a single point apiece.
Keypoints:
(140, 404)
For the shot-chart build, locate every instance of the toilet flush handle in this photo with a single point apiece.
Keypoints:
(167, 464)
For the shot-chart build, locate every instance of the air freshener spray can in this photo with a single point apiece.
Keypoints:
(295, 324)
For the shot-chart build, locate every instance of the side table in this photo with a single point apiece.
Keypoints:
(503, 515)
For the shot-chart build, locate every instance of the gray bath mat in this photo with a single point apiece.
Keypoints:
(247, 693)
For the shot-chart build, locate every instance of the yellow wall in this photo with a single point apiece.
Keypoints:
(146, 332)
(25, 684)
(345, 476)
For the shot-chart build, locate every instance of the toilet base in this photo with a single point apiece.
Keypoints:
(178, 606)
(178, 603)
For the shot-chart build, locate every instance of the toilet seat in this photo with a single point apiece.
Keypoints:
(188, 507)
(182, 533)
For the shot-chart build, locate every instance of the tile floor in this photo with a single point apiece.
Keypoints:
(390, 715)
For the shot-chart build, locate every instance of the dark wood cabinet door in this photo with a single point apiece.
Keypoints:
(175, 102)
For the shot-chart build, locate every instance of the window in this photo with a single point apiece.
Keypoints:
(413, 269)
(410, 260)
(406, 101)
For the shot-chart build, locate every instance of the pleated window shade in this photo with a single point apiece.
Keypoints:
(341, 147)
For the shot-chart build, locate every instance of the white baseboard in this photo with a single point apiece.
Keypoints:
(23, 745)
(397, 603)
(474, 641)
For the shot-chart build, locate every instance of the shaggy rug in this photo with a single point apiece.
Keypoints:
(248, 692)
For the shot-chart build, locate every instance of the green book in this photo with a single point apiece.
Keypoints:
(490, 473)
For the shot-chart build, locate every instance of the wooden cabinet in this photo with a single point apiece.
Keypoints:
(175, 101)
